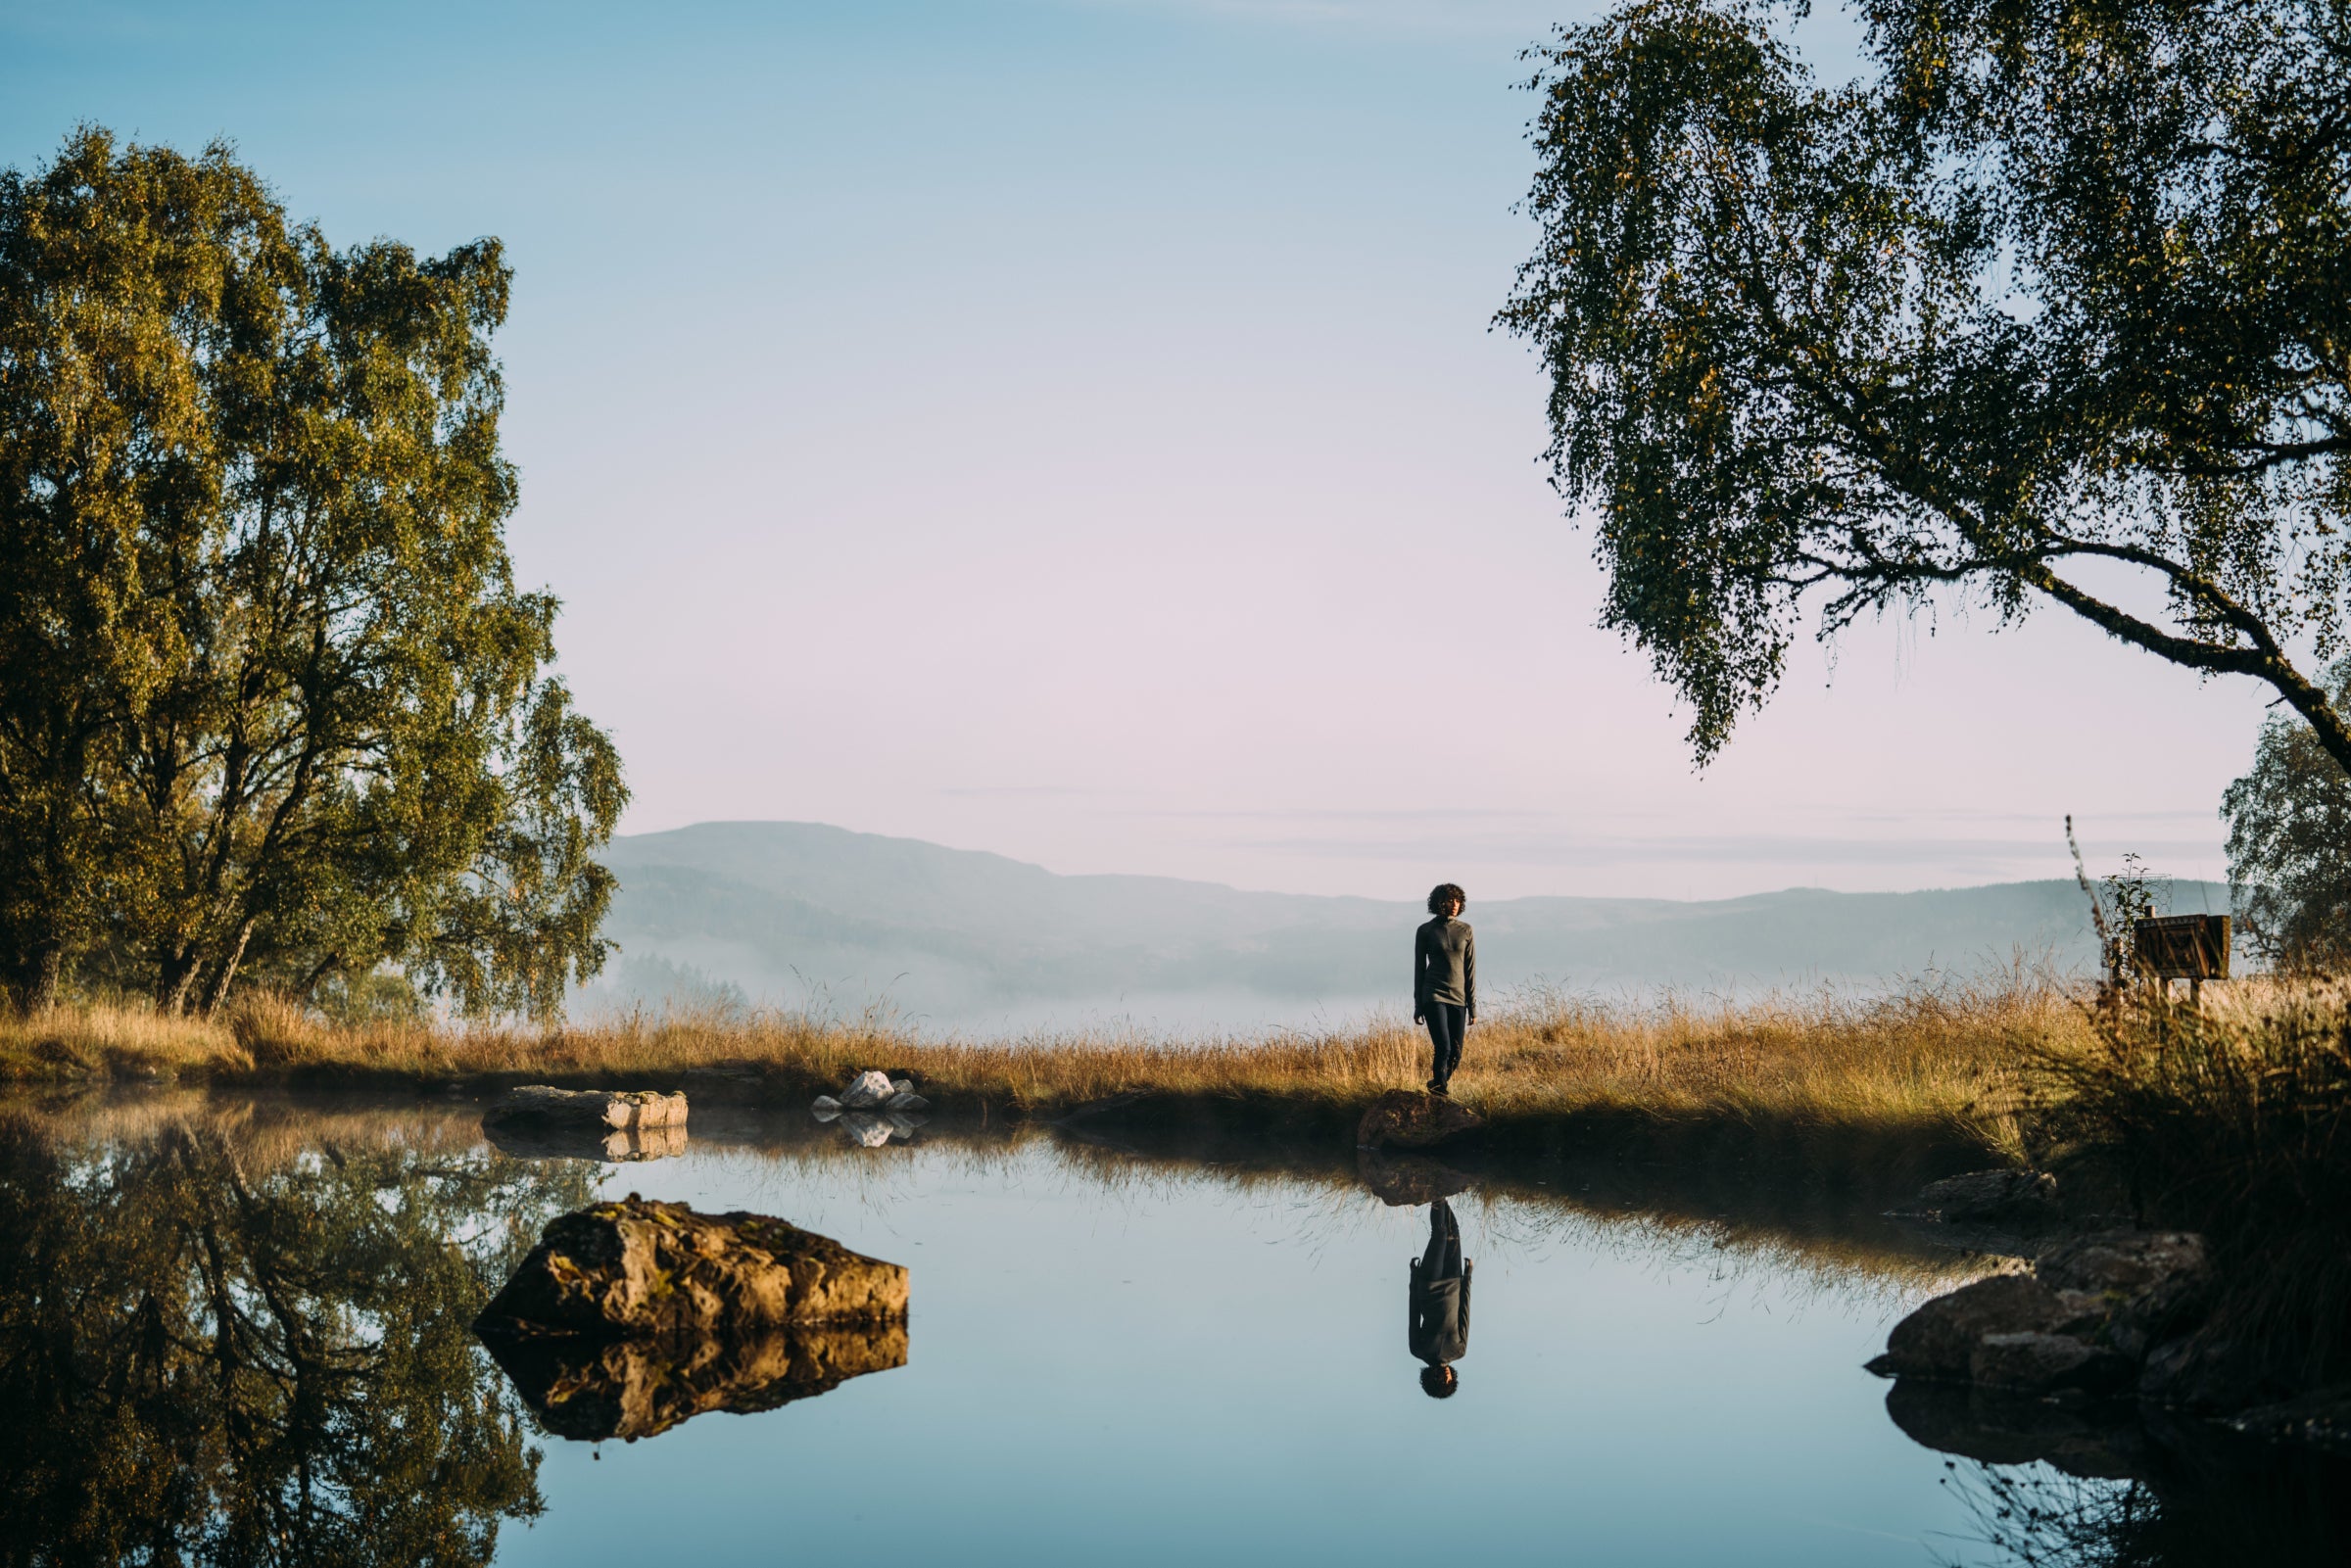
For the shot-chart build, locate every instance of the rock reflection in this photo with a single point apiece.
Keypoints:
(630, 1389)
(2070, 1486)
(222, 1341)
(614, 1146)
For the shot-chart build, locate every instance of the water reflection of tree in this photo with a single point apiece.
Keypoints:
(212, 1354)
(2276, 1508)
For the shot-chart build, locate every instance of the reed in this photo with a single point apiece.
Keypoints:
(2233, 1119)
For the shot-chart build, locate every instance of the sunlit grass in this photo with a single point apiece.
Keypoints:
(1937, 1062)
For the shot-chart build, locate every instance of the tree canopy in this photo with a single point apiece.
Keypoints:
(2052, 305)
(2289, 844)
(270, 701)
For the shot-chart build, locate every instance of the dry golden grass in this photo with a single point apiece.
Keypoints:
(1935, 1064)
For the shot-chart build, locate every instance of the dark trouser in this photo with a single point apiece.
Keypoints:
(1443, 1259)
(1446, 1025)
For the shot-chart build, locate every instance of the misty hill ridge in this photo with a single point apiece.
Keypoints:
(776, 907)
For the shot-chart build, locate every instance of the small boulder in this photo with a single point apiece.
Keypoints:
(1940, 1339)
(623, 1110)
(2045, 1363)
(1992, 1197)
(867, 1091)
(901, 1086)
(637, 1267)
(908, 1101)
(1405, 1119)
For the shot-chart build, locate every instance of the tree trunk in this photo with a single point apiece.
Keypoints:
(45, 978)
(218, 991)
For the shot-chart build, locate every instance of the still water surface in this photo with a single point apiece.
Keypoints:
(1109, 1359)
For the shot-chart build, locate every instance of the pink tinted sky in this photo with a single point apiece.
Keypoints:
(1072, 430)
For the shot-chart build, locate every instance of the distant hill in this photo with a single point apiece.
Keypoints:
(800, 913)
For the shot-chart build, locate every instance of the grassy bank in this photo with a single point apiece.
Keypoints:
(2234, 1122)
(1932, 1069)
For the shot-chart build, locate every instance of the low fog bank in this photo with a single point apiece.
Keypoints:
(802, 916)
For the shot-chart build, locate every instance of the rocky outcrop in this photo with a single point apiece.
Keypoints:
(592, 1389)
(1939, 1341)
(2102, 1314)
(1403, 1118)
(618, 1111)
(644, 1269)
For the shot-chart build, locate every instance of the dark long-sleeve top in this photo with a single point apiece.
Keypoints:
(1439, 1331)
(1445, 965)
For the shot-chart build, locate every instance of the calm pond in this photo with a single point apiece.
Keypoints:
(237, 1330)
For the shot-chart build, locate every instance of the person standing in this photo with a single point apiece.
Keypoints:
(1439, 1328)
(1445, 981)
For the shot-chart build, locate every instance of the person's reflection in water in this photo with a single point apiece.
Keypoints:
(1440, 1304)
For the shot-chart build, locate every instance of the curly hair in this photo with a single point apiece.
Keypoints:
(1438, 1382)
(1443, 892)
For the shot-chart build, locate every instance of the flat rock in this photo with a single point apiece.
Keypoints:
(1940, 1339)
(621, 1110)
(1403, 1118)
(590, 1389)
(641, 1268)
(1992, 1197)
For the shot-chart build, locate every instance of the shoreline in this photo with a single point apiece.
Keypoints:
(1845, 1092)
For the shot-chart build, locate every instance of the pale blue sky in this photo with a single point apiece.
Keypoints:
(1071, 429)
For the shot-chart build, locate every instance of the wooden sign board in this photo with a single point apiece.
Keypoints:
(2182, 948)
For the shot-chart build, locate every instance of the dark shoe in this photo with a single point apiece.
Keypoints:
(1439, 1090)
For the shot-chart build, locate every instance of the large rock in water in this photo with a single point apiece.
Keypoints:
(1939, 1340)
(653, 1269)
(617, 1110)
(2100, 1313)
(1402, 1119)
(592, 1389)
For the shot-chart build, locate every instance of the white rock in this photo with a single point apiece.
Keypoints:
(825, 1108)
(907, 1100)
(867, 1090)
(902, 1085)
